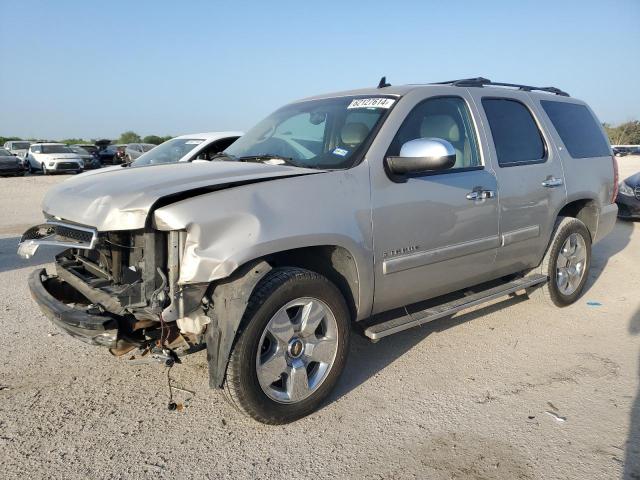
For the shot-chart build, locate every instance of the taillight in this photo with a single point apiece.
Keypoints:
(616, 179)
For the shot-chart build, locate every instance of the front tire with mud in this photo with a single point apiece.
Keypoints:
(291, 348)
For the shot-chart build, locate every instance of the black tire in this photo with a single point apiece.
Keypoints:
(549, 292)
(29, 168)
(280, 286)
(44, 170)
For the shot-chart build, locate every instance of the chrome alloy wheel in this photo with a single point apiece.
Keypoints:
(570, 265)
(297, 350)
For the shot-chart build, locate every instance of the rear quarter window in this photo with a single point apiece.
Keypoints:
(577, 129)
(515, 133)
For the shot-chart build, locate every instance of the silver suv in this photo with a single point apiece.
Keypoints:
(380, 208)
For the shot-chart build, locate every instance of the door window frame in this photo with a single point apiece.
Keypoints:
(476, 131)
(536, 121)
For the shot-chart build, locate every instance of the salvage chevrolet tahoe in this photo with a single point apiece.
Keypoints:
(384, 208)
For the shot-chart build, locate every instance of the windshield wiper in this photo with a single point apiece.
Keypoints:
(265, 158)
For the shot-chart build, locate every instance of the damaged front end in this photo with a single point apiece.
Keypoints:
(119, 289)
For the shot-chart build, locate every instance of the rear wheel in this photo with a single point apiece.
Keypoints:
(292, 349)
(566, 263)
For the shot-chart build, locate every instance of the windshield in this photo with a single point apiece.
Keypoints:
(79, 150)
(5, 153)
(170, 151)
(327, 133)
(20, 145)
(89, 148)
(56, 149)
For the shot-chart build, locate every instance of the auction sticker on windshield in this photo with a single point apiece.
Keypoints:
(378, 102)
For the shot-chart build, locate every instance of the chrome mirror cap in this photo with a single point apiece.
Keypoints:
(422, 155)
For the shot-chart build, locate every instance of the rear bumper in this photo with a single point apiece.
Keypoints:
(628, 207)
(53, 296)
(606, 221)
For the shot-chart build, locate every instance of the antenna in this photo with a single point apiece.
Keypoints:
(383, 83)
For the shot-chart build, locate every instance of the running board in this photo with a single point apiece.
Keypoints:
(409, 320)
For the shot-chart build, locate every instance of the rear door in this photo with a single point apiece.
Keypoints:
(530, 175)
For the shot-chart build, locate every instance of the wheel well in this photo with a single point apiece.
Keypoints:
(584, 210)
(333, 262)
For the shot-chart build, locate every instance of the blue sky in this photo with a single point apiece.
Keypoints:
(95, 69)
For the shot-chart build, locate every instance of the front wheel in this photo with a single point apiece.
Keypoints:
(566, 263)
(292, 347)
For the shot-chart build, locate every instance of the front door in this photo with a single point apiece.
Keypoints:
(431, 236)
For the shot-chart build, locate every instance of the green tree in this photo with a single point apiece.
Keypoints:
(129, 137)
(154, 139)
(73, 141)
(627, 133)
(3, 140)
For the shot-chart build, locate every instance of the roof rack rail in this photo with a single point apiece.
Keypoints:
(481, 82)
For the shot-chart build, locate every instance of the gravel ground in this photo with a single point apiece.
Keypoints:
(512, 390)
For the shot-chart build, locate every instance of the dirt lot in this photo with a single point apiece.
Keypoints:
(511, 390)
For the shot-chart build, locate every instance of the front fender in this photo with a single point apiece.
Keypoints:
(228, 228)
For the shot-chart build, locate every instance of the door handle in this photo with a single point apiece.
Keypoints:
(552, 182)
(480, 194)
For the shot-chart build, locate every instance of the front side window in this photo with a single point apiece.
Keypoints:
(516, 136)
(577, 128)
(447, 118)
(36, 149)
(327, 133)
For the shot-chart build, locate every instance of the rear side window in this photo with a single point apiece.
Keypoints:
(515, 133)
(577, 128)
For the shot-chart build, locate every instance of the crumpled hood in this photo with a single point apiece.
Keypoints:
(120, 198)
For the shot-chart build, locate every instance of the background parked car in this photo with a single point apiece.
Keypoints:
(90, 161)
(92, 149)
(134, 150)
(10, 164)
(53, 158)
(621, 151)
(112, 154)
(628, 198)
(18, 147)
(186, 148)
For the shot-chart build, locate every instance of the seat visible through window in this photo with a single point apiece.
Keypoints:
(447, 118)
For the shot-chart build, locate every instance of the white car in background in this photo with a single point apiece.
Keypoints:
(53, 158)
(19, 148)
(187, 148)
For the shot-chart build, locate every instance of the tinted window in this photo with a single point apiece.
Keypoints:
(577, 128)
(447, 118)
(515, 133)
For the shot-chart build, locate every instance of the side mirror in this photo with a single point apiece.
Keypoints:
(422, 155)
